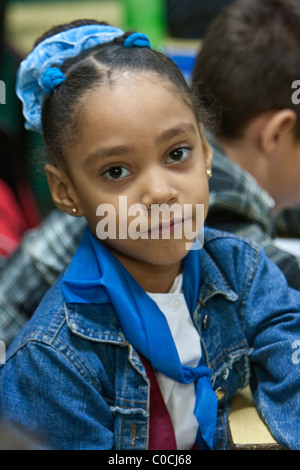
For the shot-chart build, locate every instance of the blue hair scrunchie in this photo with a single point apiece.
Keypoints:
(54, 50)
(137, 39)
(51, 78)
(37, 75)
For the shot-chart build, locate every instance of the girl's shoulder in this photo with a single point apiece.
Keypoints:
(215, 239)
(45, 322)
(230, 260)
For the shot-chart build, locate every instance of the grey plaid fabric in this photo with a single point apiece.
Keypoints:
(33, 268)
(239, 205)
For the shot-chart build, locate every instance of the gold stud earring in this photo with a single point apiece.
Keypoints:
(209, 173)
(74, 210)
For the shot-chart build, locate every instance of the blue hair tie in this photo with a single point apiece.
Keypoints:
(37, 76)
(137, 39)
(51, 78)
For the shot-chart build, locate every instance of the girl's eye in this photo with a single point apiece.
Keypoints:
(116, 173)
(178, 154)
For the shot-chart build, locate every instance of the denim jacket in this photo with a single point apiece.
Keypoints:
(72, 379)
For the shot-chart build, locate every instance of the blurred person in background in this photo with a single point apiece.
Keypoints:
(245, 70)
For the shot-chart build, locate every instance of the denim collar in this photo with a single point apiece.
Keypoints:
(212, 280)
(95, 322)
(100, 323)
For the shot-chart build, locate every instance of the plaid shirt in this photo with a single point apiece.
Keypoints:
(33, 268)
(239, 205)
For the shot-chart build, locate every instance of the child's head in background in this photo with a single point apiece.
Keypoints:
(120, 120)
(248, 70)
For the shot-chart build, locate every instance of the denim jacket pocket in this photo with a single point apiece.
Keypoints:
(232, 375)
(130, 428)
(225, 345)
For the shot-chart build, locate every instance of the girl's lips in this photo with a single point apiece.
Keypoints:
(166, 228)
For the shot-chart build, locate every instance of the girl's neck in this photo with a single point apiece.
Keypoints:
(153, 278)
(160, 279)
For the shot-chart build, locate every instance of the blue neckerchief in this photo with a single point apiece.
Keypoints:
(96, 276)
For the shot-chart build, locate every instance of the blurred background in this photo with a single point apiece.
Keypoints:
(174, 26)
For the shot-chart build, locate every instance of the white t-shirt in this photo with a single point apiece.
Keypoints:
(180, 398)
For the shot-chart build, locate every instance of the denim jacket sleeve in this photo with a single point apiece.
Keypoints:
(61, 393)
(272, 325)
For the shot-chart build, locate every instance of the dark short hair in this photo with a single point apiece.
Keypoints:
(248, 62)
(91, 68)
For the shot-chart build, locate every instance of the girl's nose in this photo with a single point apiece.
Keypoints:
(158, 188)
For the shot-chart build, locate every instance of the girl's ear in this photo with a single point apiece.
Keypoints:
(62, 192)
(206, 148)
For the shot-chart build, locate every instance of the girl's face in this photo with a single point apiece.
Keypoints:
(139, 140)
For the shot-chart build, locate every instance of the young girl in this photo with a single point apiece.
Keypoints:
(143, 340)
